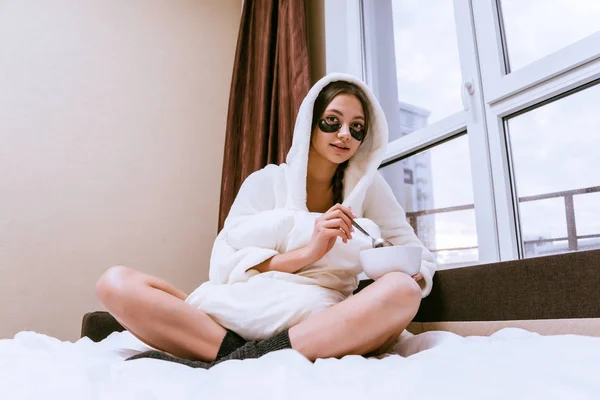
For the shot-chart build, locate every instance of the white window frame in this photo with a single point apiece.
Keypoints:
(344, 37)
(505, 94)
(499, 85)
(494, 96)
(453, 125)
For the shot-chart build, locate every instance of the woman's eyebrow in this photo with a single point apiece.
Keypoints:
(333, 110)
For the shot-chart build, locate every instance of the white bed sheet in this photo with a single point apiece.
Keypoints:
(512, 363)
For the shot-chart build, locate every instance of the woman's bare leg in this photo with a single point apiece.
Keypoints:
(361, 323)
(155, 312)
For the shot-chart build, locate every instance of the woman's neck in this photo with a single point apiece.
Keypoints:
(319, 171)
(319, 177)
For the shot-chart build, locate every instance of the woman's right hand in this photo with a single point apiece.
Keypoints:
(336, 222)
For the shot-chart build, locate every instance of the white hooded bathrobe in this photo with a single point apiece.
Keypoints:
(269, 217)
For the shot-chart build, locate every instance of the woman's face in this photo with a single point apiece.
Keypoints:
(346, 113)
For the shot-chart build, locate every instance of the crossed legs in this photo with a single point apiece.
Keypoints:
(156, 313)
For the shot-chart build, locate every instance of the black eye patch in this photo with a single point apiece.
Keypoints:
(358, 135)
(330, 128)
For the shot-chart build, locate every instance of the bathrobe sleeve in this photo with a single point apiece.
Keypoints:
(251, 230)
(381, 207)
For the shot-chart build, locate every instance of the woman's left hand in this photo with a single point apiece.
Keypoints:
(417, 277)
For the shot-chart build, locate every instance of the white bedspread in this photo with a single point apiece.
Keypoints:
(511, 364)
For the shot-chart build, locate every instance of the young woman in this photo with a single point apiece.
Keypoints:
(285, 265)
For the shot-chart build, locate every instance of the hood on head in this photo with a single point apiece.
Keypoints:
(362, 167)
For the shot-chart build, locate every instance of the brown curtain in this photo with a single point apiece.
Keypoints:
(271, 76)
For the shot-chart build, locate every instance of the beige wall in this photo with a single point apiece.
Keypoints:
(112, 121)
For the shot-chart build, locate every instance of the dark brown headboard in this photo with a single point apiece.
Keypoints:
(550, 287)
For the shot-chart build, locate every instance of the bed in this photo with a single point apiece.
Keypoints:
(517, 329)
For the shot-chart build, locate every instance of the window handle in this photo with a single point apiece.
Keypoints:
(466, 92)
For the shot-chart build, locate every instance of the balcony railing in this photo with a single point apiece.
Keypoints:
(567, 195)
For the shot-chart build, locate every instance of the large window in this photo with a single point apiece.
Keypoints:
(536, 28)
(491, 106)
(556, 170)
(434, 187)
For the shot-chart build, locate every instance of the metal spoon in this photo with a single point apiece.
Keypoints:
(379, 242)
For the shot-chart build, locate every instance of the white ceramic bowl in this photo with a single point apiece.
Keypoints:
(377, 262)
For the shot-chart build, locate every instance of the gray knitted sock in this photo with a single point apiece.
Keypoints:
(257, 349)
(230, 342)
(159, 355)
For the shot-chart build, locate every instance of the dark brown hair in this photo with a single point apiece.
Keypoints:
(327, 94)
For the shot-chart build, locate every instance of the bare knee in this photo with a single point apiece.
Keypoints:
(114, 284)
(399, 291)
